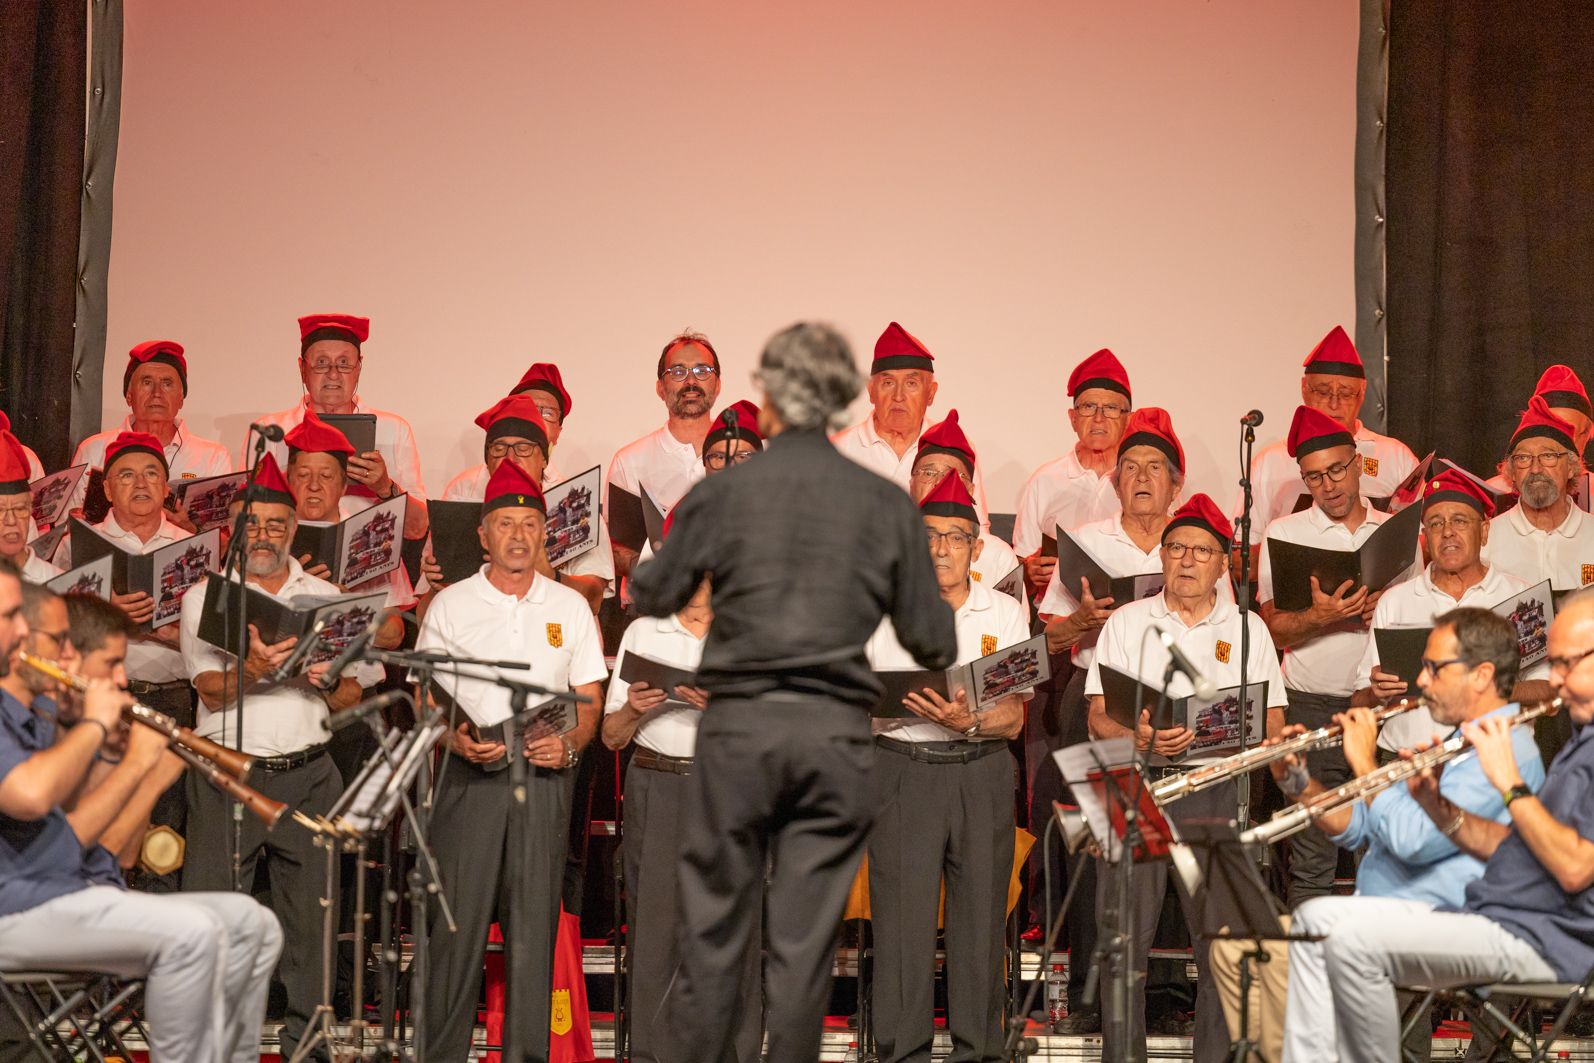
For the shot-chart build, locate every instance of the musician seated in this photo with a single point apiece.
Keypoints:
(205, 957)
(1528, 918)
(1471, 666)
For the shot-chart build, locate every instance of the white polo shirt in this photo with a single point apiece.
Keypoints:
(984, 616)
(187, 456)
(1327, 664)
(1061, 493)
(280, 720)
(1416, 602)
(148, 660)
(1564, 556)
(862, 444)
(1109, 544)
(670, 729)
(551, 628)
(1212, 644)
(37, 570)
(658, 463)
(1276, 482)
(395, 441)
(471, 486)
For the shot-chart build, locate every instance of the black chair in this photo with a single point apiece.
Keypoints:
(72, 1016)
(1507, 1013)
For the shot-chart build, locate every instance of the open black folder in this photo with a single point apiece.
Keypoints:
(1530, 611)
(342, 617)
(165, 574)
(1390, 550)
(1009, 670)
(1075, 563)
(1216, 722)
(637, 668)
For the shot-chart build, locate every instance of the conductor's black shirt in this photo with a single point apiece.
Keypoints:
(807, 551)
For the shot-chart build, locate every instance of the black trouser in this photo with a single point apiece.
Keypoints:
(1055, 722)
(478, 839)
(783, 776)
(295, 866)
(655, 802)
(1313, 857)
(171, 808)
(1148, 886)
(935, 822)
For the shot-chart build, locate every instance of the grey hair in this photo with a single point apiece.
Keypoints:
(809, 375)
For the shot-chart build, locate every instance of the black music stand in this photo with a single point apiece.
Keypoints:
(1231, 903)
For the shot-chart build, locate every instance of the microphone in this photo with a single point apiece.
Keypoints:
(272, 433)
(337, 721)
(355, 647)
(301, 650)
(1252, 419)
(1205, 689)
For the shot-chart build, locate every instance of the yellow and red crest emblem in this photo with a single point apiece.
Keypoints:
(1370, 466)
(560, 1018)
(1222, 652)
(987, 644)
(1588, 575)
(556, 635)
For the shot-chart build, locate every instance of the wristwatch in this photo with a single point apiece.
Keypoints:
(973, 729)
(1519, 790)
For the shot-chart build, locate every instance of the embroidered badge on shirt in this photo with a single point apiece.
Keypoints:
(560, 1017)
(1370, 466)
(987, 645)
(975, 576)
(556, 636)
(1588, 575)
(1222, 651)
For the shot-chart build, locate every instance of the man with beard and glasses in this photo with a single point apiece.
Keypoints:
(901, 389)
(284, 729)
(1544, 536)
(331, 358)
(155, 385)
(1323, 643)
(669, 460)
(1566, 397)
(1334, 383)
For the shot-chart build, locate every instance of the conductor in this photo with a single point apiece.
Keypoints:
(807, 551)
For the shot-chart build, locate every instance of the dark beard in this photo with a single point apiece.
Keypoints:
(686, 406)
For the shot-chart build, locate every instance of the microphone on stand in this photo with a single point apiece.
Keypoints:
(1205, 689)
(301, 650)
(733, 428)
(270, 432)
(1252, 419)
(337, 721)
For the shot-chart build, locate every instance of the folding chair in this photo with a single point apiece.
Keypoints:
(70, 1016)
(1515, 1023)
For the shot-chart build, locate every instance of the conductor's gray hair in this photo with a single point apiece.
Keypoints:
(808, 373)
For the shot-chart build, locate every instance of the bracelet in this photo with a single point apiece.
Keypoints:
(105, 731)
(570, 750)
(1450, 831)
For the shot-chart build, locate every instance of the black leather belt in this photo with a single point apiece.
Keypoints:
(652, 761)
(137, 687)
(289, 761)
(940, 752)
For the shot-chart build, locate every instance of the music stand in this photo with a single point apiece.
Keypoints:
(1230, 902)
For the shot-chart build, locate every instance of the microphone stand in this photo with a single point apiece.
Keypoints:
(234, 562)
(1243, 600)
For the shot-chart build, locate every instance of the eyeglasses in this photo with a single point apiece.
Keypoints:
(521, 450)
(127, 476)
(679, 373)
(59, 638)
(322, 367)
(1437, 525)
(1432, 667)
(936, 473)
(1334, 473)
(276, 527)
(1109, 410)
(1543, 461)
(1202, 551)
(715, 458)
(1566, 664)
(1327, 394)
(955, 539)
(18, 514)
(550, 415)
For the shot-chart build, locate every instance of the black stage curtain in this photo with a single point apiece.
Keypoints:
(1490, 172)
(43, 56)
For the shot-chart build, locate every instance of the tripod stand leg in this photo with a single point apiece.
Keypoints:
(1018, 1046)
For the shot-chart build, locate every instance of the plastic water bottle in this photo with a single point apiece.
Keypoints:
(1056, 993)
(852, 1053)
